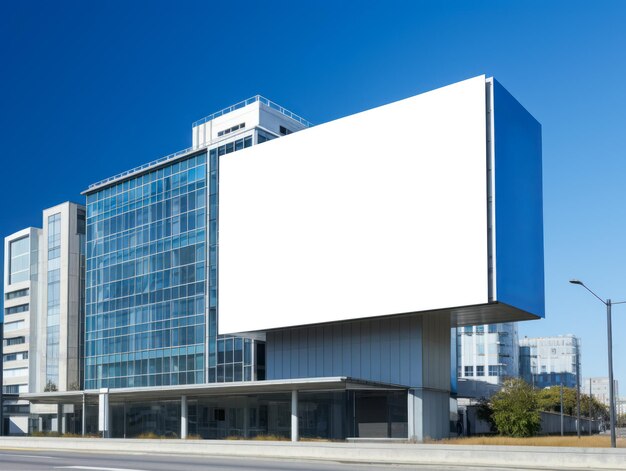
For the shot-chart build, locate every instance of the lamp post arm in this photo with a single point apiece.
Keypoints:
(599, 298)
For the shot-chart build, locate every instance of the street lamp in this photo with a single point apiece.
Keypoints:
(609, 334)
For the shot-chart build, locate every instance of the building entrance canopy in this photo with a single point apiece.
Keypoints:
(338, 383)
(332, 408)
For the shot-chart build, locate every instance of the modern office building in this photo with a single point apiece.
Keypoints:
(486, 353)
(550, 361)
(43, 308)
(308, 285)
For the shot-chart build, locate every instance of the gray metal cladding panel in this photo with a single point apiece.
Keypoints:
(385, 350)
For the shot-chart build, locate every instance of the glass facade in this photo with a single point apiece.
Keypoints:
(145, 281)
(230, 358)
(324, 415)
(54, 299)
(18, 270)
(151, 280)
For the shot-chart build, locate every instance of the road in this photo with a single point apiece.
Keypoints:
(46, 460)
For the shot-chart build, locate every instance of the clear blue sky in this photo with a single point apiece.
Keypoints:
(90, 89)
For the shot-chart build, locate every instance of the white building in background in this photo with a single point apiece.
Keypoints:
(599, 387)
(550, 361)
(21, 254)
(486, 354)
(43, 305)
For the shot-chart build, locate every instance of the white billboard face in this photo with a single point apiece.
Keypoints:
(379, 213)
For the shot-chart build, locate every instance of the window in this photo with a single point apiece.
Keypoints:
(15, 388)
(11, 326)
(468, 329)
(494, 370)
(16, 294)
(480, 329)
(284, 131)
(469, 371)
(231, 129)
(54, 236)
(14, 341)
(13, 372)
(53, 317)
(480, 370)
(16, 309)
(492, 328)
(80, 222)
(16, 356)
(20, 259)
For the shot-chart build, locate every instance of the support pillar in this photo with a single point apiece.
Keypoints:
(294, 416)
(183, 417)
(60, 419)
(246, 419)
(84, 418)
(414, 416)
(103, 412)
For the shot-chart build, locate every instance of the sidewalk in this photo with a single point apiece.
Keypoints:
(385, 453)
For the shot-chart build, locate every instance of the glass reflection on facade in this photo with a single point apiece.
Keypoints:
(20, 257)
(151, 294)
(145, 298)
(54, 300)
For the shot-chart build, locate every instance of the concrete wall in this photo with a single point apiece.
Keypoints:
(550, 424)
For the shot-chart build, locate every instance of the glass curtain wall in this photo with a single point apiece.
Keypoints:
(53, 316)
(145, 296)
(149, 283)
(230, 358)
(20, 255)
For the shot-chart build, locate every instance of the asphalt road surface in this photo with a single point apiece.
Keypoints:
(46, 460)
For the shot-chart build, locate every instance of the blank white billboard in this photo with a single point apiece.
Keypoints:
(379, 213)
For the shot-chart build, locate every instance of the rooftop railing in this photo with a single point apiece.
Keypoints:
(236, 106)
(249, 101)
(144, 166)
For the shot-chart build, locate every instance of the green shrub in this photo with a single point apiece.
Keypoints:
(516, 409)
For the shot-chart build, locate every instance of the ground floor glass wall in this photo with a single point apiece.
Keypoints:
(322, 415)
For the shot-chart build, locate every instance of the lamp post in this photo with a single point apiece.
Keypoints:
(608, 303)
(577, 388)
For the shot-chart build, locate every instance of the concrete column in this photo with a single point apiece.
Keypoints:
(40, 423)
(294, 416)
(246, 418)
(103, 412)
(414, 415)
(59, 418)
(183, 417)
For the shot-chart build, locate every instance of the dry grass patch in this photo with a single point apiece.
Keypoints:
(595, 441)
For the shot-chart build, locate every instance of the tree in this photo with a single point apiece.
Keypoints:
(485, 412)
(516, 409)
(50, 386)
(550, 401)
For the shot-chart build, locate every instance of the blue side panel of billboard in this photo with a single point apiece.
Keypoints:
(519, 205)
